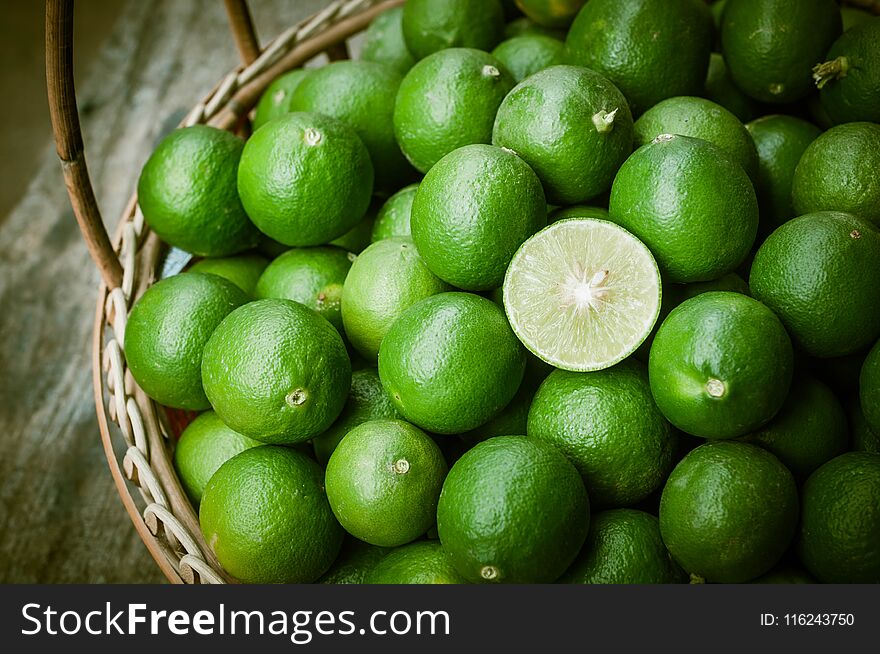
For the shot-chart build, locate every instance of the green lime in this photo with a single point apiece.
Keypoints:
(781, 142)
(166, 334)
(840, 521)
(721, 365)
(361, 95)
(577, 153)
(393, 217)
(431, 25)
(702, 119)
(513, 510)
(204, 446)
(582, 294)
(810, 428)
(849, 78)
(526, 55)
(383, 482)
(651, 49)
(608, 426)
(837, 172)
(863, 437)
(417, 563)
(187, 193)
(266, 517)
(819, 274)
(786, 574)
(523, 26)
(386, 279)
(305, 179)
(678, 293)
(671, 192)
(472, 211)
(869, 387)
(512, 420)
(721, 88)
(358, 237)
(276, 99)
(446, 101)
(310, 276)
(853, 17)
(355, 561)
(367, 400)
(551, 13)
(243, 270)
(276, 371)
(384, 44)
(451, 362)
(577, 211)
(624, 546)
(770, 46)
(728, 512)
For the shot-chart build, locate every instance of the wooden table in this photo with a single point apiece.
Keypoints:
(60, 518)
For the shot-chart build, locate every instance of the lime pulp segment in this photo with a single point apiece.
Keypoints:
(582, 294)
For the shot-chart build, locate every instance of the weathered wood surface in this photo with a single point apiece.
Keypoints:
(60, 518)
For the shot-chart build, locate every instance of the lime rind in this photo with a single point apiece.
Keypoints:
(582, 294)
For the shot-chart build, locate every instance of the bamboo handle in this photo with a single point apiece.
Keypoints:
(243, 32)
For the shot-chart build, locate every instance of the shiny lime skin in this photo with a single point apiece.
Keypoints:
(771, 46)
(384, 480)
(446, 101)
(720, 88)
(355, 561)
(869, 388)
(840, 520)
(853, 93)
(393, 217)
(187, 192)
(728, 512)
(837, 172)
(243, 270)
(277, 97)
(650, 49)
(266, 517)
(693, 206)
(819, 274)
(572, 126)
(513, 510)
(577, 211)
(166, 333)
(864, 437)
(384, 43)
(720, 365)
(424, 562)
(551, 13)
(528, 54)
(786, 574)
(276, 371)
(609, 427)
(305, 179)
(471, 213)
(624, 546)
(430, 26)
(522, 26)
(451, 362)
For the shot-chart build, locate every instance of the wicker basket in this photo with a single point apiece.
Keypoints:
(139, 445)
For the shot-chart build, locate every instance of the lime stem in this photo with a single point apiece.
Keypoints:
(604, 122)
(834, 69)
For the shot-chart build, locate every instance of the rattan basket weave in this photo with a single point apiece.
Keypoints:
(135, 431)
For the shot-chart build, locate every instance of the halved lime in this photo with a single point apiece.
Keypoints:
(582, 294)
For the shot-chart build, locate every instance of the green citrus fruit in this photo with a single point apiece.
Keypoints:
(853, 17)
(513, 510)
(582, 294)
(512, 420)
(386, 279)
(651, 49)
(770, 46)
(451, 362)
(266, 517)
(678, 293)
(355, 561)
(384, 44)
(849, 78)
(166, 334)
(819, 274)
(728, 512)
(702, 119)
(608, 426)
(721, 88)
(446, 101)
(357, 238)
(837, 172)
(472, 211)
(864, 437)
(526, 55)
(276, 99)
(869, 387)
(433, 25)
(276, 371)
(721, 365)
(781, 141)
(786, 574)
(578, 151)
(692, 205)
(624, 546)
(578, 211)
(523, 26)
(417, 563)
(188, 196)
(305, 179)
(551, 13)
(310, 276)
(383, 482)
(394, 216)
(840, 521)
(810, 428)
(243, 270)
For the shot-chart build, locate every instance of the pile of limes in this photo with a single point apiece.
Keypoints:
(501, 302)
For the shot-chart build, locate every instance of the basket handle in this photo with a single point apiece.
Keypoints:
(68, 133)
